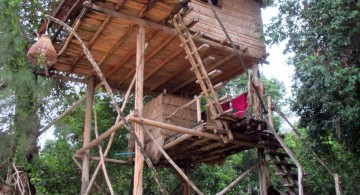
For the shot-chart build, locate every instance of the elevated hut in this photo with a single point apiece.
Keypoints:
(173, 50)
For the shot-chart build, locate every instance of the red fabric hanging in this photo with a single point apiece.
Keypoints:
(240, 104)
(225, 106)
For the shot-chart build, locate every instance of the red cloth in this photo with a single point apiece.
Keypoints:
(240, 104)
(225, 106)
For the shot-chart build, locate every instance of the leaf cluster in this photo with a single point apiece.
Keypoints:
(324, 37)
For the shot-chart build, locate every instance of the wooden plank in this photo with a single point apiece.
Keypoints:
(166, 61)
(91, 42)
(133, 19)
(126, 59)
(162, 44)
(116, 46)
(174, 75)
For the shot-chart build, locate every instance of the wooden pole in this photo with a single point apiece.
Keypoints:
(121, 115)
(262, 172)
(250, 97)
(337, 184)
(87, 135)
(198, 108)
(115, 161)
(186, 185)
(111, 136)
(237, 180)
(102, 157)
(101, 137)
(139, 88)
(174, 128)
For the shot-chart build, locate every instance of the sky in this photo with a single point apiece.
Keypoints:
(277, 68)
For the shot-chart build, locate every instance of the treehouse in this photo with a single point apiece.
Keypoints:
(178, 52)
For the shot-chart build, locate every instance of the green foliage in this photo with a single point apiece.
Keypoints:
(324, 36)
(55, 172)
(318, 180)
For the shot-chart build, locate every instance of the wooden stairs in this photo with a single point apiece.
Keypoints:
(285, 168)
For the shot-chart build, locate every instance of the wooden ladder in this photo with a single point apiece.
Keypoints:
(201, 74)
(284, 169)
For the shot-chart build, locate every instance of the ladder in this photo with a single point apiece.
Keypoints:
(284, 169)
(201, 74)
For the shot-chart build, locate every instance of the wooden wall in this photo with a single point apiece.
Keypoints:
(241, 18)
(158, 109)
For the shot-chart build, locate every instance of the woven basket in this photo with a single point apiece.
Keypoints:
(42, 52)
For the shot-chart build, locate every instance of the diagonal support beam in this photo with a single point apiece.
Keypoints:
(237, 180)
(183, 175)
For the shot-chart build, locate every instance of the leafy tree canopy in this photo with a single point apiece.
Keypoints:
(324, 37)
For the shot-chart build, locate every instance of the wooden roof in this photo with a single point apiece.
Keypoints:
(110, 29)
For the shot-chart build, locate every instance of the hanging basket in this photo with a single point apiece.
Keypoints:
(42, 52)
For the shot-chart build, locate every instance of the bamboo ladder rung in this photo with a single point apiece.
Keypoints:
(200, 72)
(202, 48)
(196, 36)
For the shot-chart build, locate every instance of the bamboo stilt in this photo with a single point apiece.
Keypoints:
(139, 105)
(102, 158)
(111, 136)
(87, 134)
(262, 172)
(121, 115)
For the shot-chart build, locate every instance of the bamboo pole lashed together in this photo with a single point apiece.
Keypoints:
(182, 174)
(102, 158)
(112, 135)
(125, 122)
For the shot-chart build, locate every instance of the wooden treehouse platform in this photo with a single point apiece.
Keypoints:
(177, 52)
(194, 150)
